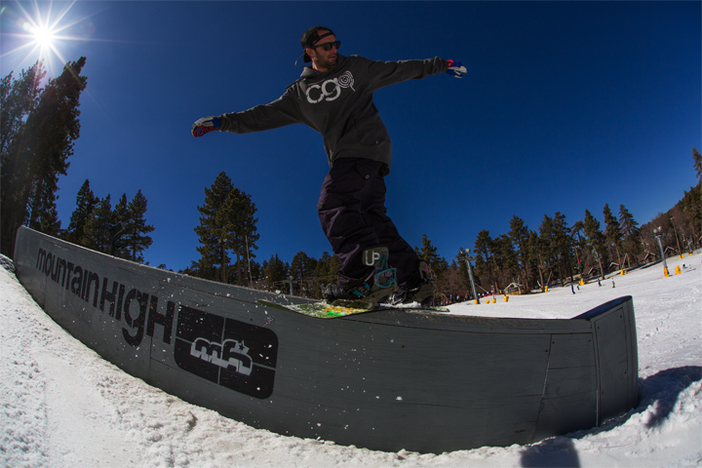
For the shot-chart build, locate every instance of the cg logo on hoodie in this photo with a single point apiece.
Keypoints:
(329, 90)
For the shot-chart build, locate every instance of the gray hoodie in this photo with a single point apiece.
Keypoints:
(338, 104)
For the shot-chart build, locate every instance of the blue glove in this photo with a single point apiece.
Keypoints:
(205, 125)
(456, 69)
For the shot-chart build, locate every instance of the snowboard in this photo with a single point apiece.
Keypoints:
(321, 309)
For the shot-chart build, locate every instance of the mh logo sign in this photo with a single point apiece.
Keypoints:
(231, 353)
(236, 355)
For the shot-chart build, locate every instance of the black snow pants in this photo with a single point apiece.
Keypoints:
(352, 212)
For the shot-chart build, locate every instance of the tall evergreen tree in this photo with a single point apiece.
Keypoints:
(51, 129)
(277, 273)
(691, 206)
(519, 235)
(563, 246)
(213, 231)
(18, 98)
(535, 256)
(428, 253)
(227, 224)
(484, 262)
(577, 233)
(631, 233)
(505, 259)
(120, 214)
(302, 269)
(546, 251)
(595, 240)
(326, 271)
(613, 233)
(85, 205)
(97, 228)
(135, 236)
(238, 216)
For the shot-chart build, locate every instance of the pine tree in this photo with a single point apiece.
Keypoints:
(302, 269)
(535, 257)
(136, 238)
(277, 273)
(213, 233)
(595, 240)
(563, 246)
(47, 221)
(256, 271)
(545, 250)
(85, 205)
(577, 233)
(97, 229)
(484, 264)
(52, 127)
(227, 224)
(428, 253)
(613, 234)
(691, 206)
(505, 259)
(237, 214)
(460, 260)
(326, 271)
(632, 234)
(18, 99)
(519, 236)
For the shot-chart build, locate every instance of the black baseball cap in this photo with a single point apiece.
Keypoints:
(311, 37)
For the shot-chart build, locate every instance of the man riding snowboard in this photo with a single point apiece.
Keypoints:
(334, 96)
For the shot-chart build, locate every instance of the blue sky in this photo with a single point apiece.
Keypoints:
(566, 106)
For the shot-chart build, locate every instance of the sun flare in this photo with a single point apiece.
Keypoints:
(39, 30)
(43, 36)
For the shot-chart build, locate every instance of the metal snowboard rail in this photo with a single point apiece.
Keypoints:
(389, 380)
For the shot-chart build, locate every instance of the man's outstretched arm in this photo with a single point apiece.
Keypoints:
(279, 113)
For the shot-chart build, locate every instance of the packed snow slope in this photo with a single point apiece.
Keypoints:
(64, 406)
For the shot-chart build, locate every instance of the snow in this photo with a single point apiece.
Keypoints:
(64, 406)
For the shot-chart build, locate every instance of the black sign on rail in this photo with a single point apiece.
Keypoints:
(234, 354)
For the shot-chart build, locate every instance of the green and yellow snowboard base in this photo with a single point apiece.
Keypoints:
(323, 310)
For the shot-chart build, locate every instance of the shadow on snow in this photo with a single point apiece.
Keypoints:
(658, 394)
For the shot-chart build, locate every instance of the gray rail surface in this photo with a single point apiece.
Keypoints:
(386, 380)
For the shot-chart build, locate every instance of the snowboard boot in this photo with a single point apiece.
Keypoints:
(422, 292)
(378, 285)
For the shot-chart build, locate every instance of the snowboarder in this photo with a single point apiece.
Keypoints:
(334, 96)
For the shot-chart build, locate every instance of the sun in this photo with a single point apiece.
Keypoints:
(43, 36)
(39, 30)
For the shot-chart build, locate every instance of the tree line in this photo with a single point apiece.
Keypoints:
(521, 260)
(120, 231)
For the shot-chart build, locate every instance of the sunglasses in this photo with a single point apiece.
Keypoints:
(328, 45)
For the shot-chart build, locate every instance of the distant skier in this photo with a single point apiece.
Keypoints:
(334, 96)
